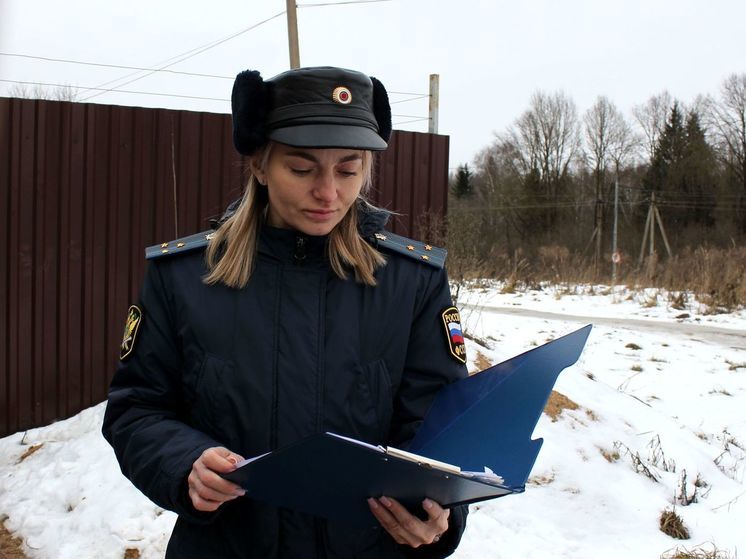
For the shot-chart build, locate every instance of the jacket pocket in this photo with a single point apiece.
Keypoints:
(370, 401)
(209, 398)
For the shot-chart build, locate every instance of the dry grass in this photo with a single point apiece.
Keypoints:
(481, 361)
(696, 553)
(558, 402)
(131, 553)
(29, 451)
(672, 525)
(610, 455)
(542, 479)
(678, 300)
(11, 547)
(716, 277)
(633, 346)
(733, 366)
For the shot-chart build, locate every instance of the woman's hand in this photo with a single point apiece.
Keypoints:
(408, 529)
(207, 489)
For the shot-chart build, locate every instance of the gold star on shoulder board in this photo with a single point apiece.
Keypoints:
(425, 257)
(428, 247)
(380, 236)
(410, 247)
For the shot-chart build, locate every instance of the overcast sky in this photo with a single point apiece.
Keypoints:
(491, 55)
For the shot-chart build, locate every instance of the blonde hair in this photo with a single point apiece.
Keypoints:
(231, 253)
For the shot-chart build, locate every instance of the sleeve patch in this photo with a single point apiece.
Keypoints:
(131, 327)
(454, 334)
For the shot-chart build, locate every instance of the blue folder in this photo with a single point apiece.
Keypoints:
(485, 420)
(488, 418)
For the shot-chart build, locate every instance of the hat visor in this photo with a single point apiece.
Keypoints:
(328, 136)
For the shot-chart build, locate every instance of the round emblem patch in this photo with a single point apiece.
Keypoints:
(342, 95)
(131, 327)
(455, 336)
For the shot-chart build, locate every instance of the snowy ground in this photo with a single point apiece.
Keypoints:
(652, 402)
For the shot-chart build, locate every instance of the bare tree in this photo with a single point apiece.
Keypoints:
(544, 142)
(727, 121)
(610, 143)
(652, 117)
(498, 186)
(38, 91)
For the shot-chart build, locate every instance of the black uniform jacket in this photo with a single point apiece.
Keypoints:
(297, 352)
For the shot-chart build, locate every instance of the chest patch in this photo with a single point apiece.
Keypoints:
(131, 327)
(454, 335)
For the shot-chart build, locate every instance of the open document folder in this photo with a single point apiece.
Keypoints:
(474, 444)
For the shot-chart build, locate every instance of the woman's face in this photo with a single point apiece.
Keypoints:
(310, 190)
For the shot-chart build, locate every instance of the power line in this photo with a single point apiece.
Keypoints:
(498, 208)
(131, 92)
(199, 50)
(406, 93)
(138, 69)
(117, 66)
(176, 95)
(410, 121)
(316, 5)
(103, 89)
(119, 90)
(407, 100)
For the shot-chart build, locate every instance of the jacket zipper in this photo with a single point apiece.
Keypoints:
(300, 249)
(275, 375)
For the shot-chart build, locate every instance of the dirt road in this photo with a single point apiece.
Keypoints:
(735, 339)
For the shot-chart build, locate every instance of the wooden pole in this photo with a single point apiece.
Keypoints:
(614, 247)
(648, 222)
(663, 231)
(652, 225)
(599, 230)
(434, 103)
(293, 34)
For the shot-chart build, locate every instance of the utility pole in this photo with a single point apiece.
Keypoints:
(432, 126)
(598, 231)
(293, 34)
(614, 249)
(654, 217)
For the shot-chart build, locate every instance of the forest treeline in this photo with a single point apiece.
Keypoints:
(539, 202)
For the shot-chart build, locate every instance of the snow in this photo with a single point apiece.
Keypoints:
(652, 398)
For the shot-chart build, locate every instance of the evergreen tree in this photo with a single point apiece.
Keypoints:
(699, 176)
(667, 156)
(682, 174)
(463, 186)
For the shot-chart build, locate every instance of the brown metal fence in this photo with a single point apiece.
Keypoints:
(83, 189)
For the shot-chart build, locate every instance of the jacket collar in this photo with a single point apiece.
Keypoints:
(370, 219)
(290, 246)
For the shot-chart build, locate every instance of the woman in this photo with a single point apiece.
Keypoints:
(296, 316)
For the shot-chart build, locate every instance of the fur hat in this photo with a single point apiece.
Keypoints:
(321, 107)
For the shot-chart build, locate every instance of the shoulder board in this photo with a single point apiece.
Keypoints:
(178, 246)
(418, 250)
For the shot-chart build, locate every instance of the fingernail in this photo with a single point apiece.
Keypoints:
(372, 502)
(427, 503)
(232, 460)
(386, 501)
(240, 493)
